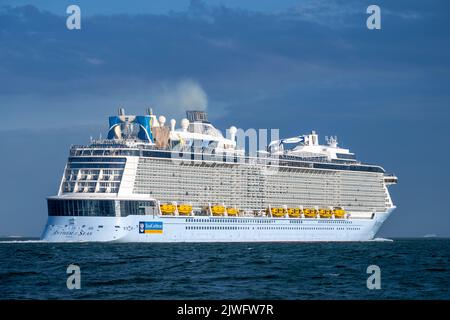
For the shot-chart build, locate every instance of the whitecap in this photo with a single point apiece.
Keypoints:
(382, 240)
(331, 274)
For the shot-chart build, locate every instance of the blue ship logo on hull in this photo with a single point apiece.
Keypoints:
(150, 227)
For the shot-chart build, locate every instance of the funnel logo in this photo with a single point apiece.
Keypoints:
(151, 227)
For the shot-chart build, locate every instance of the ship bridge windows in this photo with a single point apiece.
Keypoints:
(134, 207)
(99, 208)
(64, 207)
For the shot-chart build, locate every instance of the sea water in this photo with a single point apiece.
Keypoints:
(408, 269)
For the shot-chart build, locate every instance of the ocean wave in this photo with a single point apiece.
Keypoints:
(331, 274)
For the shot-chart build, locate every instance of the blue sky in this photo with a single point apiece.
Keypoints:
(293, 65)
(153, 7)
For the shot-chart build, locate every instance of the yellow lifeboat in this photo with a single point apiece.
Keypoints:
(339, 213)
(278, 212)
(167, 208)
(232, 211)
(184, 209)
(325, 213)
(310, 213)
(218, 210)
(294, 212)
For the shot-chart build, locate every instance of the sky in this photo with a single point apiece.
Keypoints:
(291, 65)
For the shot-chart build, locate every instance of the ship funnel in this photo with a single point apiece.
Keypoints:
(196, 116)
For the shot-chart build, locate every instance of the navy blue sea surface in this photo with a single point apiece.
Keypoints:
(410, 269)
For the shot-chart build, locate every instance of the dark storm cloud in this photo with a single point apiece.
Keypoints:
(312, 47)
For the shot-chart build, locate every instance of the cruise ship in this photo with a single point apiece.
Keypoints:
(149, 181)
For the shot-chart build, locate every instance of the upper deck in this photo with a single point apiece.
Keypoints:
(99, 166)
(101, 150)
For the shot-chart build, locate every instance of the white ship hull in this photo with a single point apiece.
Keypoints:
(210, 229)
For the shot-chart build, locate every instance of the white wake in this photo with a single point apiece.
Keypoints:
(23, 241)
(382, 240)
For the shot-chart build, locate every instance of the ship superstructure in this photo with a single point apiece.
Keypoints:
(152, 182)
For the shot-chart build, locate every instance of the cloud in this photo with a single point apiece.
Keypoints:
(231, 61)
(180, 96)
(94, 61)
(337, 14)
(330, 13)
